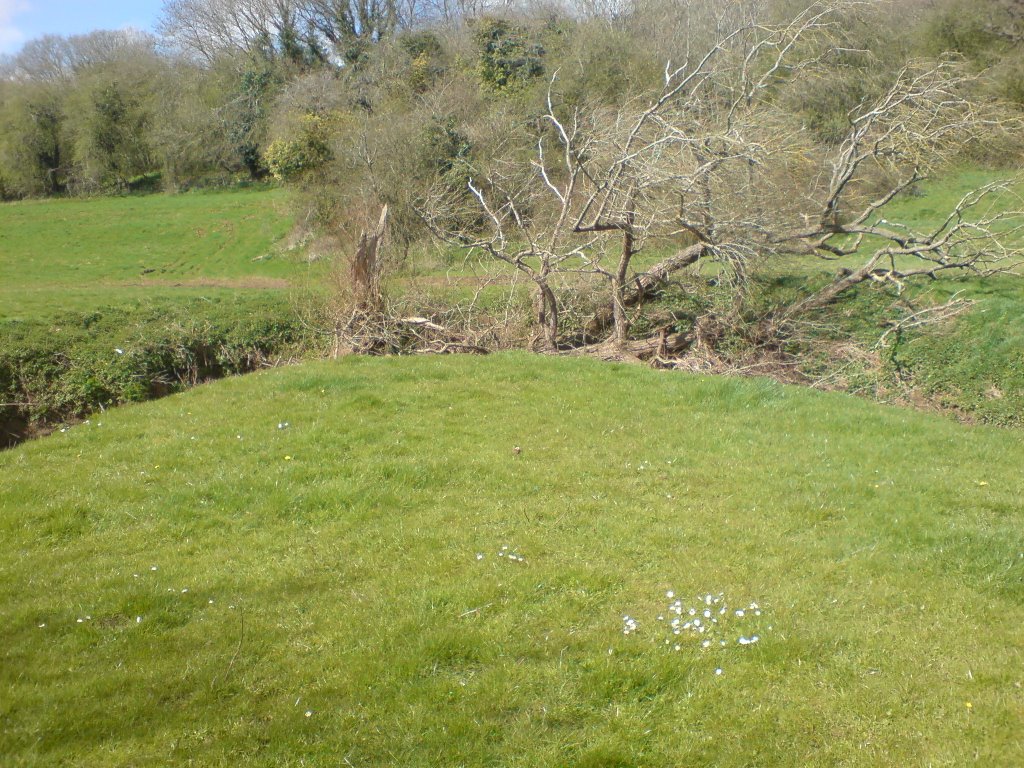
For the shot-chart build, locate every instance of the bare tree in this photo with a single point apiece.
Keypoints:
(714, 168)
(208, 29)
(347, 24)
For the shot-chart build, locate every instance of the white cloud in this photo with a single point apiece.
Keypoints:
(10, 36)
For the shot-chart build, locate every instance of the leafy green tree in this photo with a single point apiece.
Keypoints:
(33, 150)
(113, 145)
(509, 56)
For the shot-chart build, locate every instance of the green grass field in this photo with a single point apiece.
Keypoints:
(58, 255)
(349, 564)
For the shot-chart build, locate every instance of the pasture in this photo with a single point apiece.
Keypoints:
(350, 563)
(80, 255)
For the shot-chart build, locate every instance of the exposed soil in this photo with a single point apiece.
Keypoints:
(259, 283)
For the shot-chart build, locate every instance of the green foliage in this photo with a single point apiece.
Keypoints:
(509, 55)
(960, 26)
(112, 143)
(246, 120)
(826, 103)
(428, 59)
(989, 34)
(77, 363)
(289, 158)
(604, 65)
(33, 149)
(445, 147)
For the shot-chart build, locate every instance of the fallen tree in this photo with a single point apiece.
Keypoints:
(714, 167)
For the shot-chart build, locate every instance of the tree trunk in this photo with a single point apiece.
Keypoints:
(659, 345)
(640, 287)
(619, 317)
(546, 305)
(365, 271)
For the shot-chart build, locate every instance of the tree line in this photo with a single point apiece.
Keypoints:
(254, 87)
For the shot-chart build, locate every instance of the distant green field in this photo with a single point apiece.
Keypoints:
(349, 564)
(79, 254)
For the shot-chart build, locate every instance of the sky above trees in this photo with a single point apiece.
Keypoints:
(22, 20)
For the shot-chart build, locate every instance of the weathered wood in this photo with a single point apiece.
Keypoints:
(365, 272)
(662, 344)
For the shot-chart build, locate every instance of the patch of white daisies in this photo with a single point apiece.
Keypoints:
(708, 621)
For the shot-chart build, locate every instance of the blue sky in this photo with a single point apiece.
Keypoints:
(22, 20)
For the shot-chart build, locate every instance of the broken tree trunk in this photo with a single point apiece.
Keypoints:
(365, 272)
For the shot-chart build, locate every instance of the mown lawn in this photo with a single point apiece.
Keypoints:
(350, 564)
(59, 255)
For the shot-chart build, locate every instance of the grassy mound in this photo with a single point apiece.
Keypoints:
(350, 564)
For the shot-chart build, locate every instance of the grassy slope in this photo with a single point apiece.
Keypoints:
(77, 254)
(974, 364)
(332, 568)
